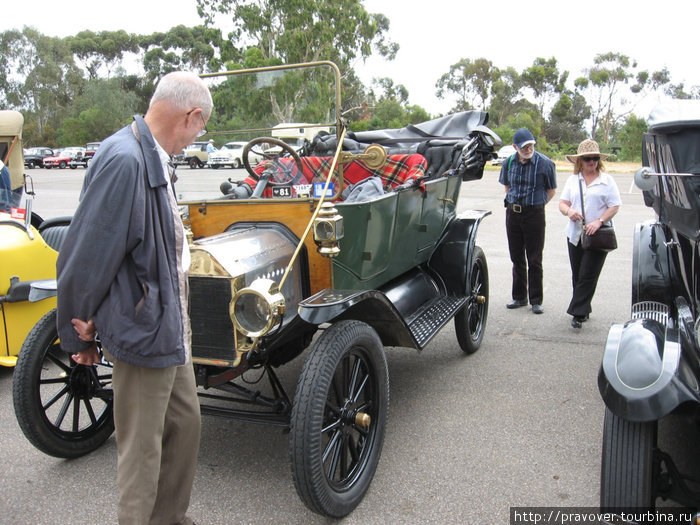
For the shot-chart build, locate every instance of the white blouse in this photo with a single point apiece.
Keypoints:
(599, 195)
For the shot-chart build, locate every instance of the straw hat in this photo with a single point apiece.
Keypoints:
(587, 148)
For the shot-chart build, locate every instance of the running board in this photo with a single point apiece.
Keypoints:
(435, 314)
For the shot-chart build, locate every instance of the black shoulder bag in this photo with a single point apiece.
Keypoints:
(603, 240)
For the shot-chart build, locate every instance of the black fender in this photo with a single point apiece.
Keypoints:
(455, 249)
(644, 374)
(652, 276)
(370, 306)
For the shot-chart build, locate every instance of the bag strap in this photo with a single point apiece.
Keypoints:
(583, 211)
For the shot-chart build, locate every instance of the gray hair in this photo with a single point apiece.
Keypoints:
(185, 91)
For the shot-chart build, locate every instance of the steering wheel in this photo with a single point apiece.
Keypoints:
(287, 170)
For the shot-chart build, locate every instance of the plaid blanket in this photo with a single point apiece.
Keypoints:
(396, 170)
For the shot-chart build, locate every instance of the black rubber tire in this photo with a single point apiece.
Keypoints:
(194, 163)
(48, 386)
(236, 164)
(470, 321)
(627, 466)
(62, 164)
(31, 165)
(347, 361)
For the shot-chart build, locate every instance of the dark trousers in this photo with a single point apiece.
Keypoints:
(586, 266)
(525, 231)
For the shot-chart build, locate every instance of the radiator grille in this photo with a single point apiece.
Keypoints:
(212, 328)
(650, 310)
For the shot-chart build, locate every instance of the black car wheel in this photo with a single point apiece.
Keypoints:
(64, 409)
(470, 321)
(194, 163)
(31, 164)
(627, 467)
(339, 418)
(62, 164)
(236, 163)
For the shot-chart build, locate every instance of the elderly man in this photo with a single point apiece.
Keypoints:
(530, 182)
(123, 268)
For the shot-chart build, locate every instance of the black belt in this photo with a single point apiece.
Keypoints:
(519, 208)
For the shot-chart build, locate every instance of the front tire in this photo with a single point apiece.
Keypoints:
(339, 418)
(64, 409)
(470, 321)
(627, 466)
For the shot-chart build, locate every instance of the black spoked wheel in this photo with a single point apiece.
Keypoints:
(64, 409)
(339, 418)
(470, 321)
(627, 467)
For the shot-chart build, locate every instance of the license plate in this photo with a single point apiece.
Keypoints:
(284, 192)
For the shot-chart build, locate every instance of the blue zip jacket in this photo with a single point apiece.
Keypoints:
(118, 263)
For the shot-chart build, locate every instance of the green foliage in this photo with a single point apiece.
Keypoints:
(629, 138)
(470, 82)
(103, 108)
(304, 30)
(544, 79)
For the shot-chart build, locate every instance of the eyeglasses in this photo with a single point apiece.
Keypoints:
(590, 159)
(527, 148)
(203, 131)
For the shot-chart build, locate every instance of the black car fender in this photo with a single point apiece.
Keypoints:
(370, 306)
(644, 374)
(455, 249)
(652, 276)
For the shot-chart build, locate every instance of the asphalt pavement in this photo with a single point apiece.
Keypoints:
(518, 423)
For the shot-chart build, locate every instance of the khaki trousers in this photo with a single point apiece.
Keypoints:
(157, 421)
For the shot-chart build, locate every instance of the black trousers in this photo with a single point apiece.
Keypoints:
(586, 266)
(525, 231)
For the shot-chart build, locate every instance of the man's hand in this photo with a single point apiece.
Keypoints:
(86, 332)
(87, 357)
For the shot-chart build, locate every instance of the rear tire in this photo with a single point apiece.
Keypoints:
(470, 321)
(627, 466)
(64, 409)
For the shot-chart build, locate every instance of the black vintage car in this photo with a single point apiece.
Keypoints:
(299, 264)
(651, 363)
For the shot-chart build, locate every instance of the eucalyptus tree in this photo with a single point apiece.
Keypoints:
(545, 80)
(303, 30)
(38, 75)
(470, 82)
(611, 86)
(103, 51)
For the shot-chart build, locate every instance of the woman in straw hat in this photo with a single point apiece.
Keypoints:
(601, 200)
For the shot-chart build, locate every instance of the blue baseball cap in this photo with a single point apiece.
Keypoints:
(523, 137)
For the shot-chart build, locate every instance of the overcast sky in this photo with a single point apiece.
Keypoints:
(435, 34)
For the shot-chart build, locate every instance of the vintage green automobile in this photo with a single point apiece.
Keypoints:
(305, 260)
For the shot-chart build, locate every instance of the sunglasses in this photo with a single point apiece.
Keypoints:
(590, 159)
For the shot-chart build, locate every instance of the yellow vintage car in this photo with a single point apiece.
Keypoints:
(28, 249)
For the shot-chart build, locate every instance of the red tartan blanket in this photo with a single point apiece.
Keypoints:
(396, 170)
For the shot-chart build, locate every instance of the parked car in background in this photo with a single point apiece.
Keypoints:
(504, 153)
(230, 155)
(91, 148)
(63, 159)
(195, 155)
(34, 157)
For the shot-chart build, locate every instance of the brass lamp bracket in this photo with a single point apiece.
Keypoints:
(373, 157)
